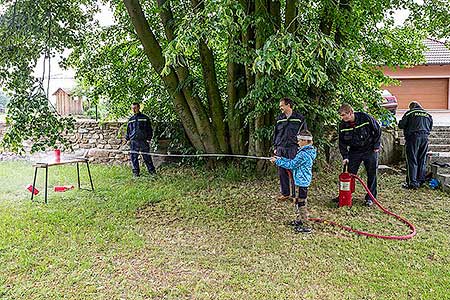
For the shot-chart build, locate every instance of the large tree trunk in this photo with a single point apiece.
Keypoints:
(290, 13)
(154, 53)
(207, 127)
(236, 90)
(216, 109)
(324, 96)
(344, 9)
(268, 12)
(248, 41)
(188, 106)
(198, 110)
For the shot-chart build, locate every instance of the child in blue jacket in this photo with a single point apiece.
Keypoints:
(301, 166)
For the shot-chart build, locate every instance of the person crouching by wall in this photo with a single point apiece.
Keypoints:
(301, 166)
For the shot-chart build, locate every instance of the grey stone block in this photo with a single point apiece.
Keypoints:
(82, 130)
(439, 170)
(446, 188)
(444, 179)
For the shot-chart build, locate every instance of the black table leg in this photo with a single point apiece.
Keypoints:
(90, 177)
(78, 174)
(46, 183)
(34, 183)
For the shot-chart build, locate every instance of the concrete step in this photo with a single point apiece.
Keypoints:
(439, 170)
(432, 141)
(440, 134)
(438, 131)
(444, 179)
(439, 140)
(433, 134)
(433, 147)
(441, 128)
(437, 128)
(442, 157)
(439, 148)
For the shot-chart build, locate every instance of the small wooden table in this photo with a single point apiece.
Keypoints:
(46, 164)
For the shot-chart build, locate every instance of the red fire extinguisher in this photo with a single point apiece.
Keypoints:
(57, 153)
(346, 188)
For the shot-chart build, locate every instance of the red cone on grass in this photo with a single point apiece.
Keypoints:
(30, 188)
(63, 188)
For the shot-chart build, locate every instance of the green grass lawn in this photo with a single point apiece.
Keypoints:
(195, 234)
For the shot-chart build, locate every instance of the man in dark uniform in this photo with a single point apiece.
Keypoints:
(416, 124)
(288, 125)
(139, 133)
(359, 141)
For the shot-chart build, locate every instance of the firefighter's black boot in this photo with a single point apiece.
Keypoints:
(302, 229)
(369, 202)
(295, 223)
(408, 186)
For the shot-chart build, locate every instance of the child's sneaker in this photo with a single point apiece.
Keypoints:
(301, 229)
(296, 223)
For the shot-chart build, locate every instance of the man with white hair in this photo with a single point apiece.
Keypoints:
(416, 124)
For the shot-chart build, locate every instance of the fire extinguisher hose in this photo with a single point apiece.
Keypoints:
(388, 237)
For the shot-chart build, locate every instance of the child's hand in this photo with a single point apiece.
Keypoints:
(273, 159)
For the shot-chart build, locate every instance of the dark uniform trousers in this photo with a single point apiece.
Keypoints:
(287, 184)
(416, 148)
(140, 146)
(370, 160)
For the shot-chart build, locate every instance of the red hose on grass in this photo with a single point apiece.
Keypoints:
(388, 237)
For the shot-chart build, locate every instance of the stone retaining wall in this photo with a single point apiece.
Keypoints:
(108, 136)
(108, 139)
(391, 150)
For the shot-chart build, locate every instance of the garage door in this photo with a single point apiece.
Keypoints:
(431, 93)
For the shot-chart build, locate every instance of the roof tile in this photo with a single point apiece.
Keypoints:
(437, 53)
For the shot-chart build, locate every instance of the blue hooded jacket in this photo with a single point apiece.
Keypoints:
(301, 165)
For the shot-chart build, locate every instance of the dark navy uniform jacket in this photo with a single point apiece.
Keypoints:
(286, 130)
(139, 128)
(416, 121)
(363, 136)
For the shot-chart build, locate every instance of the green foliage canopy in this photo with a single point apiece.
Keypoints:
(30, 30)
(219, 67)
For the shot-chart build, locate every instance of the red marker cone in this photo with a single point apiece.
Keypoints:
(63, 188)
(30, 188)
